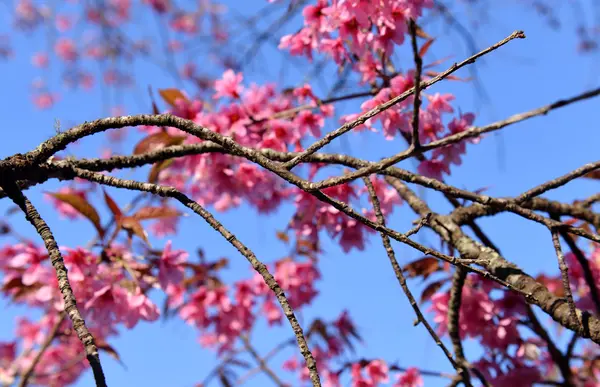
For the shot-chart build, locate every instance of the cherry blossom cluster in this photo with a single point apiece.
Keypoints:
(106, 37)
(114, 284)
(497, 319)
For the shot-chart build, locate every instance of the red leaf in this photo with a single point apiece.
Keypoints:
(437, 62)
(218, 265)
(114, 208)
(156, 213)
(423, 267)
(133, 227)
(104, 346)
(449, 77)
(430, 290)
(171, 95)
(82, 206)
(13, 283)
(282, 236)
(593, 175)
(420, 33)
(157, 168)
(156, 141)
(425, 47)
(154, 107)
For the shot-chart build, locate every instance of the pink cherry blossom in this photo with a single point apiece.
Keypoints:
(170, 266)
(229, 85)
(410, 378)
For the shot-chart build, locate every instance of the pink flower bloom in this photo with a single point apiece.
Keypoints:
(440, 103)
(229, 85)
(272, 312)
(301, 43)
(185, 22)
(66, 210)
(313, 14)
(160, 6)
(81, 263)
(433, 169)
(291, 364)
(304, 92)
(308, 121)
(30, 258)
(30, 333)
(170, 269)
(65, 49)
(335, 48)
(410, 378)
(44, 100)
(139, 307)
(377, 371)
(40, 60)
(63, 23)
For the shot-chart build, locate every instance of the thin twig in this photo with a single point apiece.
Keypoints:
(260, 267)
(558, 182)
(261, 362)
(56, 259)
(415, 143)
(469, 133)
(585, 266)
(562, 362)
(564, 271)
(400, 276)
(384, 106)
(454, 304)
(43, 347)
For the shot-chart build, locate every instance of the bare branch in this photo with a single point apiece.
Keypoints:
(564, 271)
(33, 216)
(260, 267)
(499, 267)
(416, 144)
(400, 276)
(454, 304)
(43, 347)
(383, 107)
(452, 139)
(261, 362)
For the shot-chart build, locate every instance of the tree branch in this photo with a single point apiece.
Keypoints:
(33, 216)
(260, 267)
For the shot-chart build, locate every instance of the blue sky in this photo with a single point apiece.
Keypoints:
(521, 76)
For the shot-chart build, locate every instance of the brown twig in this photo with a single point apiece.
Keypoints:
(261, 362)
(499, 267)
(564, 272)
(400, 276)
(56, 259)
(470, 133)
(43, 347)
(415, 143)
(261, 268)
(562, 362)
(454, 304)
(558, 182)
(585, 266)
(384, 106)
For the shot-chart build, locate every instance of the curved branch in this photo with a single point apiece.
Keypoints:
(260, 267)
(538, 294)
(33, 216)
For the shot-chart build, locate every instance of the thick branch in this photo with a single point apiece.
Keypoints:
(449, 231)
